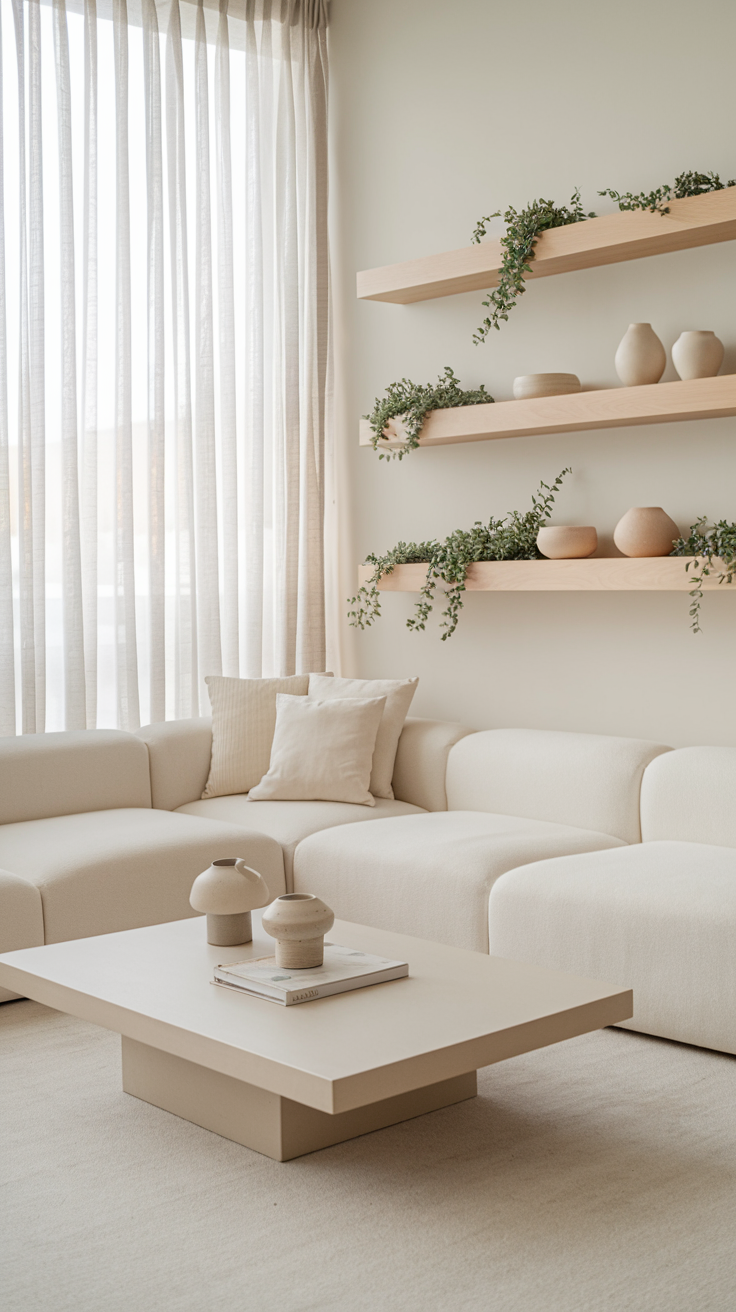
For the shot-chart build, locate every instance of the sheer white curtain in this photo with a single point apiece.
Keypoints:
(164, 353)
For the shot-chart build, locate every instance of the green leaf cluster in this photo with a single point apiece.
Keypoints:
(714, 549)
(687, 184)
(513, 537)
(413, 401)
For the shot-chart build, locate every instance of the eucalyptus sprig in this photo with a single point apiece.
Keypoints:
(513, 537)
(687, 184)
(522, 230)
(714, 550)
(412, 403)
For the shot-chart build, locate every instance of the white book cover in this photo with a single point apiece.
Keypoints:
(343, 969)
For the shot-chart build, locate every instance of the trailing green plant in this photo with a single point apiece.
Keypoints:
(523, 228)
(413, 401)
(522, 231)
(513, 537)
(713, 548)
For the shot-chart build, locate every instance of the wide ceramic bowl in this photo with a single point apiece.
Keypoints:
(530, 385)
(567, 541)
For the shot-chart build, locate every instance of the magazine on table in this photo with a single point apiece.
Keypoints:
(343, 969)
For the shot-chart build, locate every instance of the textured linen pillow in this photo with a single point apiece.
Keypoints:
(243, 721)
(322, 750)
(398, 694)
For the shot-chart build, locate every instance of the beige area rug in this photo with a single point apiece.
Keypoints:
(600, 1173)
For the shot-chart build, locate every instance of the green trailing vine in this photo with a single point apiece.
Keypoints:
(714, 549)
(513, 537)
(524, 226)
(412, 402)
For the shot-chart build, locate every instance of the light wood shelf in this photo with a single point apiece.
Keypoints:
(598, 574)
(610, 239)
(614, 407)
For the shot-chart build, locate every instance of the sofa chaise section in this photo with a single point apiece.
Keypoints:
(514, 796)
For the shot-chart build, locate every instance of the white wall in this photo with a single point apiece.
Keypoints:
(444, 112)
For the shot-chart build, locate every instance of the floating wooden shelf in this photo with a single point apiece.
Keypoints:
(627, 235)
(598, 574)
(614, 407)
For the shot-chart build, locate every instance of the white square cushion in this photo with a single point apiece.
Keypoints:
(398, 694)
(656, 917)
(104, 871)
(290, 822)
(322, 750)
(429, 875)
(243, 721)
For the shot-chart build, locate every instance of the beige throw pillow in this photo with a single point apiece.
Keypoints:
(322, 750)
(243, 721)
(398, 694)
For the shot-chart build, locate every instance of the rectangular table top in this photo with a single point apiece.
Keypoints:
(456, 1012)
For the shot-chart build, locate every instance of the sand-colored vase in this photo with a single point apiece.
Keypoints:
(298, 922)
(227, 892)
(567, 541)
(645, 531)
(640, 357)
(697, 354)
(530, 385)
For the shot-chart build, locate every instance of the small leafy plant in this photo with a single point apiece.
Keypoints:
(412, 402)
(513, 537)
(714, 549)
(687, 184)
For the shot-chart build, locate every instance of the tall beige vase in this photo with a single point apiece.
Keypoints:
(645, 531)
(697, 354)
(640, 357)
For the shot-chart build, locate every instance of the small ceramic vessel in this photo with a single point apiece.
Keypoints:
(697, 354)
(227, 892)
(567, 541)
(640, 357)
(298, 922)
(530, 385)
(645, 531)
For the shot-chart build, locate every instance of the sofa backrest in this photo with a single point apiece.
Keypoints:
(586, 780)
(689, 795)
(420, 769)
(179, 753)
(48, 774)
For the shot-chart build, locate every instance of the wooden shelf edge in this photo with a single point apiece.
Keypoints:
(610, 239)
(596, 574)
(612, 407)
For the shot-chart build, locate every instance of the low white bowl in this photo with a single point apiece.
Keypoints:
(529, 385)
(567, 541)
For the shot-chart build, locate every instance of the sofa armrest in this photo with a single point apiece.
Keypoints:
(21, 918)
(179, 753)
(421, 762)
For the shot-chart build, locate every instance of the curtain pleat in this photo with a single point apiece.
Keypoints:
(167, 388)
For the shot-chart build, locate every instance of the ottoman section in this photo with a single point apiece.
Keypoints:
(657, 917)
(429, 875)
(21, 918)
(104, 871)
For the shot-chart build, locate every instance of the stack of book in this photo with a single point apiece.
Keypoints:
(343, 969)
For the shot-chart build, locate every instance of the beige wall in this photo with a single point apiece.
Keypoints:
(441, 113)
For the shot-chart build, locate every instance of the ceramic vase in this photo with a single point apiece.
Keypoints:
(529, 385)
(645, 531)
(697, 354)
(566, 541)
(298, 922)
(227, 892)
(640, 357)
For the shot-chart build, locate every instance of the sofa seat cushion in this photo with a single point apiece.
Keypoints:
(429, 875)
(104, 871)
(658, 917)
(21, 918)
(290, 822)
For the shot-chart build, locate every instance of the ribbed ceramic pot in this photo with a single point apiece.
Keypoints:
(530, 385)
(645, 531)
(298, 922)
(640, 357)
(697, 354)
(566, 541)
(227, 892)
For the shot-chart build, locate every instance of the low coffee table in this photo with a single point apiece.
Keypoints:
(289, 1080)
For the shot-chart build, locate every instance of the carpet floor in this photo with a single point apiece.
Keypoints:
(596, 1174)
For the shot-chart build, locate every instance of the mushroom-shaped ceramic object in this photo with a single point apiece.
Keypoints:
(298, 922)
(227, 893)
(566, 541)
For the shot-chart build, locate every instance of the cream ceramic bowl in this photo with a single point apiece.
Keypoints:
(529, 385)
(567, 541)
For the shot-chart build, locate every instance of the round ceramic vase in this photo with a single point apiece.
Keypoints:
(226, 893)
(697, 354)
(530, 385)
(567, 541)
(645, 531)
(640, 357)
(298, 922)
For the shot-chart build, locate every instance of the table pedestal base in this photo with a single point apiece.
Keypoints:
(265, 1121)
